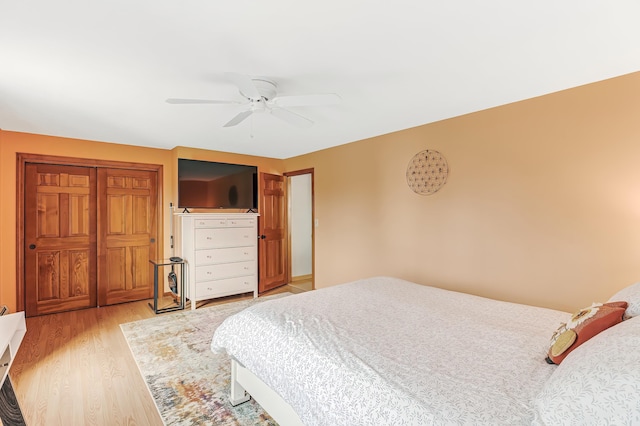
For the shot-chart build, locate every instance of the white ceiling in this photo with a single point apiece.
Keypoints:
(101, 70)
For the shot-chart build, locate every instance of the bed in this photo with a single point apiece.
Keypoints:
(384, 351)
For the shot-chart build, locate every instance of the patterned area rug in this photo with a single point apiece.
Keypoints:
(189, 383)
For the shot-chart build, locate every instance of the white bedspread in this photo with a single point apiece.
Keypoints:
(384, 351)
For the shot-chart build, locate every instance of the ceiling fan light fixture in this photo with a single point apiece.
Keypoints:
(261, 95)
(267, 89)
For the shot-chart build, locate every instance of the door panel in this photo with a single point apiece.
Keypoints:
(60, 243)
(272, 229)
(127, 234)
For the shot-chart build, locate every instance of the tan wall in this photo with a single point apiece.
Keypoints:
(12, 143)
(542, 203)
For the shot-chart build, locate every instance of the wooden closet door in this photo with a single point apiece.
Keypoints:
(127, 234)
(272, 247)
(60, 238)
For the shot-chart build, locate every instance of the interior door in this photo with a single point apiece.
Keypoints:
(127, 234)
(272, 247)
(300, 227)
(60, 238)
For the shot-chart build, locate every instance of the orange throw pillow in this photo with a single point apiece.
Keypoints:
(582, 326)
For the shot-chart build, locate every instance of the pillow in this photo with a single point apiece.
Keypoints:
(631, 295)
(598, 384)
(582, 326)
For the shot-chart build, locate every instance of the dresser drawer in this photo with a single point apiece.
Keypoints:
(225, 255)
(224, 270)
(225, 237)
(241, 223)
(210, 289)
(225, 222)
(210, 223)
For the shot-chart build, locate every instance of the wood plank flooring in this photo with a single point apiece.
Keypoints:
(75, 368)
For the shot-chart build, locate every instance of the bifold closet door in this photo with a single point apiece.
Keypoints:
(60, 238)
(127, 234)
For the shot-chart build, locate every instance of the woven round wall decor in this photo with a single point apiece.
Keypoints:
(427, 172)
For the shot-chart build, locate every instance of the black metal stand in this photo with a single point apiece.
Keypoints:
(176, 281)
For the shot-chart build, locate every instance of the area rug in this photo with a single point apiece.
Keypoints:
(189, 383)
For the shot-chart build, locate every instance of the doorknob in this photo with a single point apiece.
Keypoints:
(32, 246)
(262, 237)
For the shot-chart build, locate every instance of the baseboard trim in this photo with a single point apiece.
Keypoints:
(299, 278)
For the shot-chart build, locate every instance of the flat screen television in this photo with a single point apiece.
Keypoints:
(211, 185)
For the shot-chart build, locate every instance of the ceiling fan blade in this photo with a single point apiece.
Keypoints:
(238, 118)
(245, 84)
(307, 100)
(291, 117)
(200, 101)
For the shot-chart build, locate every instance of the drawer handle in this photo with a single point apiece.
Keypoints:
(208, 257)
(209, 238)
(209, 273)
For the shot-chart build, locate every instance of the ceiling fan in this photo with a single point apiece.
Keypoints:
(261, 96)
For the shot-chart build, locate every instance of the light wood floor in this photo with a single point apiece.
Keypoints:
(75, 368)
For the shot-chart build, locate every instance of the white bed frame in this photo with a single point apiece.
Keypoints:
(245, 384)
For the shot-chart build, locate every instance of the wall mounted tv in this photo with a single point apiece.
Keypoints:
(211, 185)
